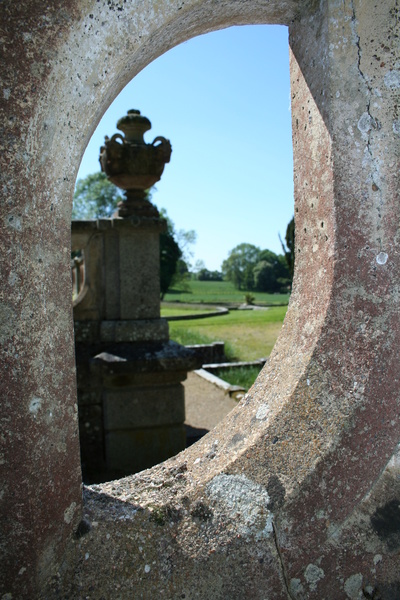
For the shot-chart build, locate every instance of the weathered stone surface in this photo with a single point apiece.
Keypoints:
(144, 407)
(133, 450)
(317, 433)
(162, 378)
(124, 359)
(134, 391)
(140, 330)
(119, 256)
(210, 353)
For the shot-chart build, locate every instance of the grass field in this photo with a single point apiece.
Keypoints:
(248, 334)
(220, 292)
(242, 376)
(181, 311)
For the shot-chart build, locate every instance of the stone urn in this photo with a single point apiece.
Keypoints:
(133, 165)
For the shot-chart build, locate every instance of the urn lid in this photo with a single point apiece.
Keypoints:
(134, 125)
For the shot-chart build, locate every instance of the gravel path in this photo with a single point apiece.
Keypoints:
(205, 404)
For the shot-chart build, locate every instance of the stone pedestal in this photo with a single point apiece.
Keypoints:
(130, 396)
(122, 272)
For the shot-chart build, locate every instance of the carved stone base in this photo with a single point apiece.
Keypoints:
(136, 204)
(131, 406)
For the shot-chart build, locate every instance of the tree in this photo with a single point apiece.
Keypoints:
(198, 266)
(239, 265)
(288, 250)
(95, 197)
(201, 273)
(170, 254)
(206, 275)
(265, 279)
(250, 268)
(186, 239)
(284, 276)
(271, 273)
(174, 254)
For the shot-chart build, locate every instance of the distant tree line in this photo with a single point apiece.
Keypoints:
(252, 269)
(206, 275)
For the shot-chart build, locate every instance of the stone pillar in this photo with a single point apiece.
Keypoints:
(131, 400)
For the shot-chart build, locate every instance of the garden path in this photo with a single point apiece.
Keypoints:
(206, 405)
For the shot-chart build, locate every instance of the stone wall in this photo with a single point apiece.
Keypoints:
(296, 494)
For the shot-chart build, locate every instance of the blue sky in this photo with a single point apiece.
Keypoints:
(223, 100)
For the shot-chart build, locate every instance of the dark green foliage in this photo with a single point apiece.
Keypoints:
(271, 274)
(264, 276)
(249, 299)
(252, 269)
(174, 255)
(206, 275)
(289, 248)
(239, 265)
(170, 255)
(268, 256)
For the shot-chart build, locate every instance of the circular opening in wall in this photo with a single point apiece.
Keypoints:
(223, 100)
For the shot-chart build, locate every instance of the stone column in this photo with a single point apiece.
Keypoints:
(131, 400)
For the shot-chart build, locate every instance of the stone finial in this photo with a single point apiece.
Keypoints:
(133, 165)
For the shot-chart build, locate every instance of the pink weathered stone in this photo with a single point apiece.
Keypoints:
(296, 494)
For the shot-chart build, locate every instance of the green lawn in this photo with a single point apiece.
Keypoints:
(248, 334)
(241, 376)
(220, 292)
(181, 311)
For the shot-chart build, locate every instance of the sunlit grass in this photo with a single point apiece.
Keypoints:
(251, 334)
(241, 376)
(181, 311)
(223, 292)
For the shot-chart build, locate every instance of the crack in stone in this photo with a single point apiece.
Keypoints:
(278, 550)
(373, 123)
(357, 39)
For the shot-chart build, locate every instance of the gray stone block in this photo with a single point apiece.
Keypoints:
(142, 330)
(132, 451)
(143, 407)
(156, 378)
